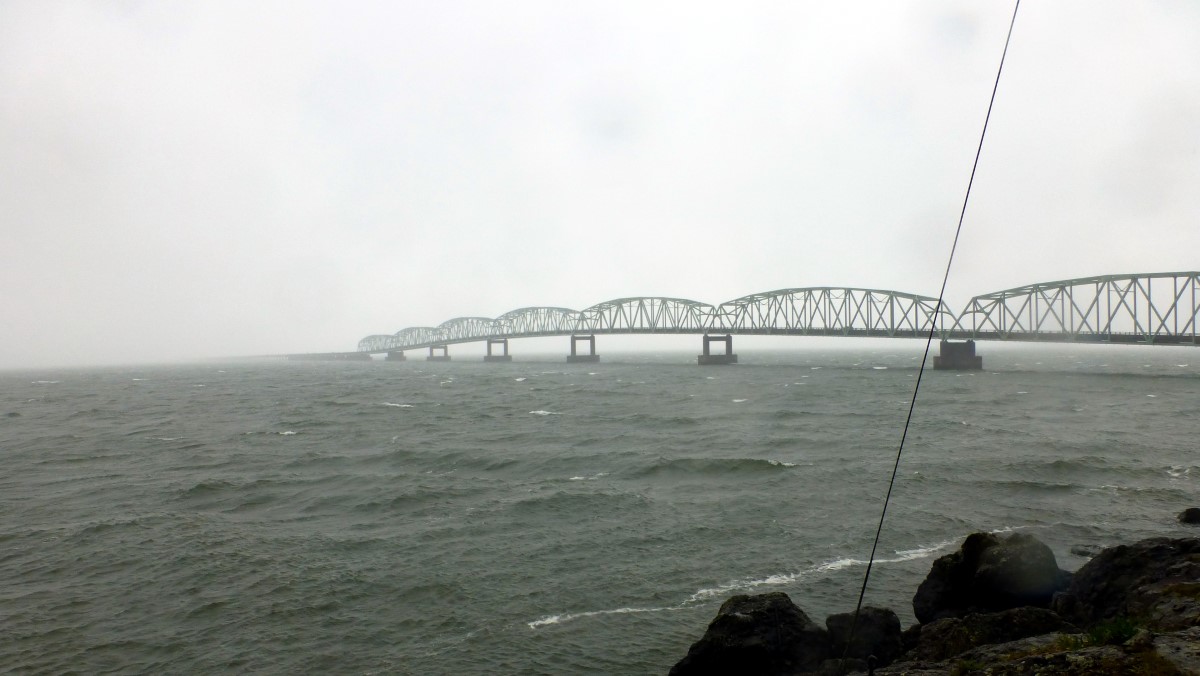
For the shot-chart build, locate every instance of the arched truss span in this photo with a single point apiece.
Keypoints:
(378, 343)
(537, 321)
(837, 311)
(646, 315)
(418, 336)
(467, 328)
(1161, 307)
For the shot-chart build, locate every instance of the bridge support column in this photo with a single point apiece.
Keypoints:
(395, 355)
(444, 356)
(497, 357)
(957, 357)
(708, 358)
(575, 357)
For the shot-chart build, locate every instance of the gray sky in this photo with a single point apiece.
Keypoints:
(189, 179)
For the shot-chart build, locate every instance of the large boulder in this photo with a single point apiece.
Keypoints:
(1191, 515)
(1155, 581)
(877, 633)
(951, 636)
(764, 635)
(988, 574)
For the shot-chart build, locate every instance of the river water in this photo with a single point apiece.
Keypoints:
(536, 517)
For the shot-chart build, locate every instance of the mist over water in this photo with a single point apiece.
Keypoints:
(539, 517)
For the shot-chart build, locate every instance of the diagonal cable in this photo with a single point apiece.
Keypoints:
(929, 339)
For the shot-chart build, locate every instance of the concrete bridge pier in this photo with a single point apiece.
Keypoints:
(708, 358)
(575, 357)
(497, 357)
(444, 356)
(957, 357)
(395, 355)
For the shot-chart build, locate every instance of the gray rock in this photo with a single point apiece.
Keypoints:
(764, 635)
(951, 636)
(1181, 649)
(1156, 581)
(876, 633)
(1191, 515)
(989, 574)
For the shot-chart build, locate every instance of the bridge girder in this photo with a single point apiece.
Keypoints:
(1153, 307)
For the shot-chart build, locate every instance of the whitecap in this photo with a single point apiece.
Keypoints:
(198, 385)
(879, 368)
(1152, 396)
(814, 368)
(388, 403)
(781, 463)
(738, 401)
(519, 380)
(1022, 392)
(137, 379)
(592, 373)
(286, 433)
(741, 585)
(166, 438)
(45, 382)
(541, 412)
(588, 478)
(567, 617)
(829, 566)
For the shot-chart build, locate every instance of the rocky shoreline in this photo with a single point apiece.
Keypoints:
(998, 605)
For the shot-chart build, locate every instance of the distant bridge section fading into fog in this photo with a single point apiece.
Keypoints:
(1160, 308)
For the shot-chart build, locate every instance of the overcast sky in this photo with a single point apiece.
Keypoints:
(207, 178)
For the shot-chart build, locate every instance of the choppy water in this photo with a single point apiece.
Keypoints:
(538, 517)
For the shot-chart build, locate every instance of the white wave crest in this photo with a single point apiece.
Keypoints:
(388, 403)
(777, 579)
(829, 566)
(541, 412)
(567, 617)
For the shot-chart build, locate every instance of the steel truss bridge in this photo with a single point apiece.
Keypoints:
(1153, 309)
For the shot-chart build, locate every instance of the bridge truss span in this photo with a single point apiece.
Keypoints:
(646, 315)
(537, 321)
(836, 311)
(1162, 308)
(1155, 308)
(462, 329)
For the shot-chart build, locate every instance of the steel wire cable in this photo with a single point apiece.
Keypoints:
(929, 339)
